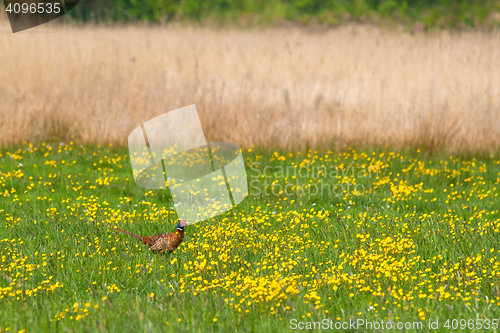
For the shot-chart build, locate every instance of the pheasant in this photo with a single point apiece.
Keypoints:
(161, 243)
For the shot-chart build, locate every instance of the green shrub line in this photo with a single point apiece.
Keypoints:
(427, 14)
(419, 14)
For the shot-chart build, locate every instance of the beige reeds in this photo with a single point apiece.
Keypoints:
(284, 88)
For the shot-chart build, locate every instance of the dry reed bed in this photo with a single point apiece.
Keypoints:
(273, 87)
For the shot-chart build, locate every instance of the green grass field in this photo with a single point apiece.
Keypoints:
(372, 235)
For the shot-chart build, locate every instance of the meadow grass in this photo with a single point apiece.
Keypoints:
(285, 88)
(404, 237)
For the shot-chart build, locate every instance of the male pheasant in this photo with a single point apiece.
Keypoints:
(161, 243)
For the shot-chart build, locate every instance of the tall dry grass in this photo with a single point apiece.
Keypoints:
(274, 87)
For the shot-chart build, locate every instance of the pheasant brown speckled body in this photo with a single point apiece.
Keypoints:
(161, 243)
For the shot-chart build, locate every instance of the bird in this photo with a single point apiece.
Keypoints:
(161, 243)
